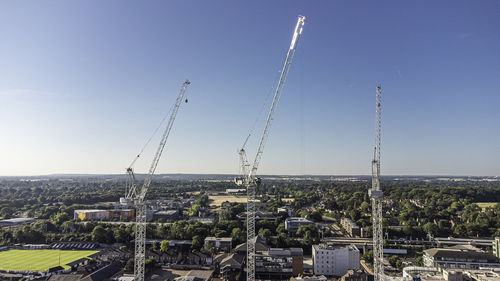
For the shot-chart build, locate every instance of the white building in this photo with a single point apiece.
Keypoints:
(334, 259)
(496, 247)
(292, 224)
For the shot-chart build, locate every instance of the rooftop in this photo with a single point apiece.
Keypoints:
(334, 247)
(451, 253)
(167, 212)
(294, 252)
(202, 274)
(224, 239)
(260, 245)
(17, 220)
(298, 219)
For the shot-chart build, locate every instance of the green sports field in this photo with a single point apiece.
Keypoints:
(39, 260)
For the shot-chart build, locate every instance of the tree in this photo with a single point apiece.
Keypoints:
(316, 216)
(419, 261)
(149, 263)
(164, 246)
(364, 207)
(61, 217)
(308, 239)
(197, 243)
(408, 230)
(265, 233)
(121, 235)
(98, 234)
(129, 267)
(237, 235)
(6, 212)
(393, 260)
(155, 246)
(368, 257)
(460, 230)
(355, 215)
(431, 228)
(203, 200)
(194, 210)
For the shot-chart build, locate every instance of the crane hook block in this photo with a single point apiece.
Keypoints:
(186, 100)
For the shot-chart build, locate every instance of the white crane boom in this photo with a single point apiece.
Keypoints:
(140, 227)
(249, 178)
(277, 94)
(376, 196)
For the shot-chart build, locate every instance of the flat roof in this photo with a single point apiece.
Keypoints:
(17, 220)
(334, 247)
(298, 219)
(457, 253)
(225, 239)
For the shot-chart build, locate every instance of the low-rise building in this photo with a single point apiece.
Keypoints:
(222, 243)
(285, 209)
(260, 246)
(112, 214)
(166, 215)
(421, 273)
(231, 266)
(334, 260)
(411, 273)
(356, 275)
(351, 227)
(259, 215)
(279, 264)
(236, 190)
(292, 224)
(496, 247)
(16, 221)
(309, 278)
(459, 257)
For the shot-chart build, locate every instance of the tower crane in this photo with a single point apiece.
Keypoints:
(376, 196)
(249, 178)
(138, 194)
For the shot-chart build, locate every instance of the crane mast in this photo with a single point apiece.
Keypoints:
(139, 195)
(376, 196)
(249, 178)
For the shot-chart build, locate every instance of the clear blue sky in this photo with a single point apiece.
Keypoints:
(84, 83)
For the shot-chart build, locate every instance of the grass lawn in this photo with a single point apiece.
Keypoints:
(484, 205)
(39, 260)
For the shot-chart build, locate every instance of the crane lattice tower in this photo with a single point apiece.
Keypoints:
(376, 196)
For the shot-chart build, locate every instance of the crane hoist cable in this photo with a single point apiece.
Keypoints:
(139, 197)
(262, 108)
(153, 134)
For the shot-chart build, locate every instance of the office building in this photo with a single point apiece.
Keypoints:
(334, 260)
(112, 214)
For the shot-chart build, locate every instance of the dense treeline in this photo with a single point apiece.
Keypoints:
(414, 208)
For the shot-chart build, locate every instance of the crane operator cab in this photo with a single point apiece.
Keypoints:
(257, 181)
(239, 181)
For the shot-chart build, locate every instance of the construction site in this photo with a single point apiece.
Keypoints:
(151, 222)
